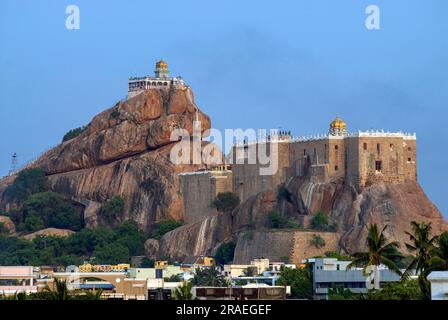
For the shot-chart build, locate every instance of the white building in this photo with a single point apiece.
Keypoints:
(439, 285)
(161, 80)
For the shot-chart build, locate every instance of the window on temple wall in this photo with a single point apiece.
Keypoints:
(336, 147)
(336, 168)
(409, 159)
(391, 146)
(409, 149)
(304, 152)
(378, 148)
(378, 166)
(364, 146)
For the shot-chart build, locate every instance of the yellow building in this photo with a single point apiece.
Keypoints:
(160, 264)
(86, 267)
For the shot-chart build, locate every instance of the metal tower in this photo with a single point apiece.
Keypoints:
(14, 163)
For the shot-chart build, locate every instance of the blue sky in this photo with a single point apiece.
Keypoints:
(252, 64)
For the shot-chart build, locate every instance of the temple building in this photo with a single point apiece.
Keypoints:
(160, 80)
(359, 159)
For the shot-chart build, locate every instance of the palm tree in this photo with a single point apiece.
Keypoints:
(184, 292)
(59, 291)
(379, 252)
(439, 255)
(422, 244)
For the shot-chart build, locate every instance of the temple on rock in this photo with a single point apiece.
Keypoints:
(160, 80)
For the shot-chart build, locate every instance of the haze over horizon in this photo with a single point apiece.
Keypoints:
(294, 65)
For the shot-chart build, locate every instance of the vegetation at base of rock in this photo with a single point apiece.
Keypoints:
(276, 221)
(209, 277)
(299, 280)
(164, 226)
(113, 208)
(225, 253)
(71, 134)
(317, 241)
(28, 182)
(226, 201)
(322, 222)
(48, 209)
(100, 246)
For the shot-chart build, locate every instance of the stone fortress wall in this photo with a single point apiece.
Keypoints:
(360, 158)
(199, 190)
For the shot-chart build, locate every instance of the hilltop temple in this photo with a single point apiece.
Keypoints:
(160, 80)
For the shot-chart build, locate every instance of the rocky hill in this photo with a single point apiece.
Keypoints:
(124, 151)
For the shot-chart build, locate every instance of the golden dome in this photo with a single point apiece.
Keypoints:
(338, 123)
(161, 64)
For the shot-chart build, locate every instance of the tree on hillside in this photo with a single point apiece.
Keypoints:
(73, 133)
(28, 182)
(322, 222)
(111, 253)
(225, 253)
(421, 245)
(49, 209)
(379, 252)
(164, 226)
(226, 201)
(113, 208)
(276, 221)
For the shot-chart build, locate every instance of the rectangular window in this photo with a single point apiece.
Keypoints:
(409, 159)
(378, 148)
(336, 147)
(378, 166)
(365, 146)
(336, 168)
